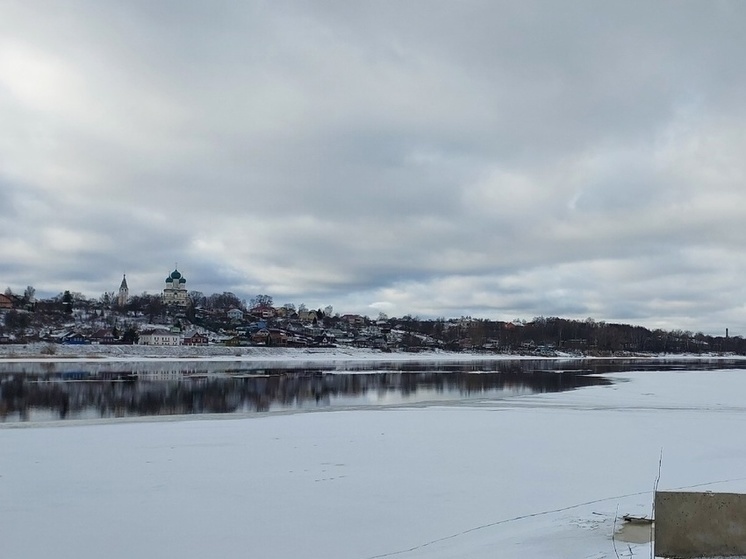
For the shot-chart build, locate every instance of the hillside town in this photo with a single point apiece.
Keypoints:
(179, 317)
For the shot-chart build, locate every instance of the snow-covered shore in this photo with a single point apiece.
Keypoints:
(539, 476)
(59, 352)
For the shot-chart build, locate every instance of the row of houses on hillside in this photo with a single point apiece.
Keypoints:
(263, 336)
(266, 312)
(153, 336)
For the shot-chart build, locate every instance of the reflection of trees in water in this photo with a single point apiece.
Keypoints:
(81, 394)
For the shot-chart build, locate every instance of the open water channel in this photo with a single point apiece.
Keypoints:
(54, 391)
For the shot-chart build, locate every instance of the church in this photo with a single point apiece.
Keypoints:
(124, 292)
(175, 292)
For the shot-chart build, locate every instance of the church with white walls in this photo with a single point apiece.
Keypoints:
(175, 292)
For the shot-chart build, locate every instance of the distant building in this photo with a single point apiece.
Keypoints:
(103, 336)
(124, 292)
(194, 338)
(307, 315)
(75, 338)
(235, 314)
(271, 336)
(5, 302)
(159, 336)
(175, 292)
(353, 319)
(263, 311)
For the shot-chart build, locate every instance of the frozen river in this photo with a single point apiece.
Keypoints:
(485, 471)
(56, 391)
(53, 391)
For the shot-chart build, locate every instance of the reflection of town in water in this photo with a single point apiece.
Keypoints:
(54, 391)
(66, 390)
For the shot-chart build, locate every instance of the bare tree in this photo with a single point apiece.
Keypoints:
(224, 301)
(107, 298)
(197, 299)
(261, 301)
(28, 294)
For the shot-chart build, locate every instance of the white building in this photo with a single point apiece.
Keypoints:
(159, 336)
(175, 292)
(235, 314)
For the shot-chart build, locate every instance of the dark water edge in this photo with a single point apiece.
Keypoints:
(53, 391)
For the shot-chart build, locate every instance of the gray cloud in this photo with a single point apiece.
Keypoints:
(497, 159)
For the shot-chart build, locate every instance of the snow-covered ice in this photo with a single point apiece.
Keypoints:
(539, 476)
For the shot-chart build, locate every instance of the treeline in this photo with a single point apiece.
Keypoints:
(559, 334)
(147, 304)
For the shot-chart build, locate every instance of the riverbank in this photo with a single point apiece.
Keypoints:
(61, 352)
(41, 351)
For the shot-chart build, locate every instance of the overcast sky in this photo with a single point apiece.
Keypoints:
(435, 158)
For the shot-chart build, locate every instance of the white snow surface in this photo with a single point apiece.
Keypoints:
(41, 351)
(539, 476)
(78, 353)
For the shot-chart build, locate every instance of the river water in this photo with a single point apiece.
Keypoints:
(54, 391)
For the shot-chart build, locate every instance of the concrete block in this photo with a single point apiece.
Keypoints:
(689, 525)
